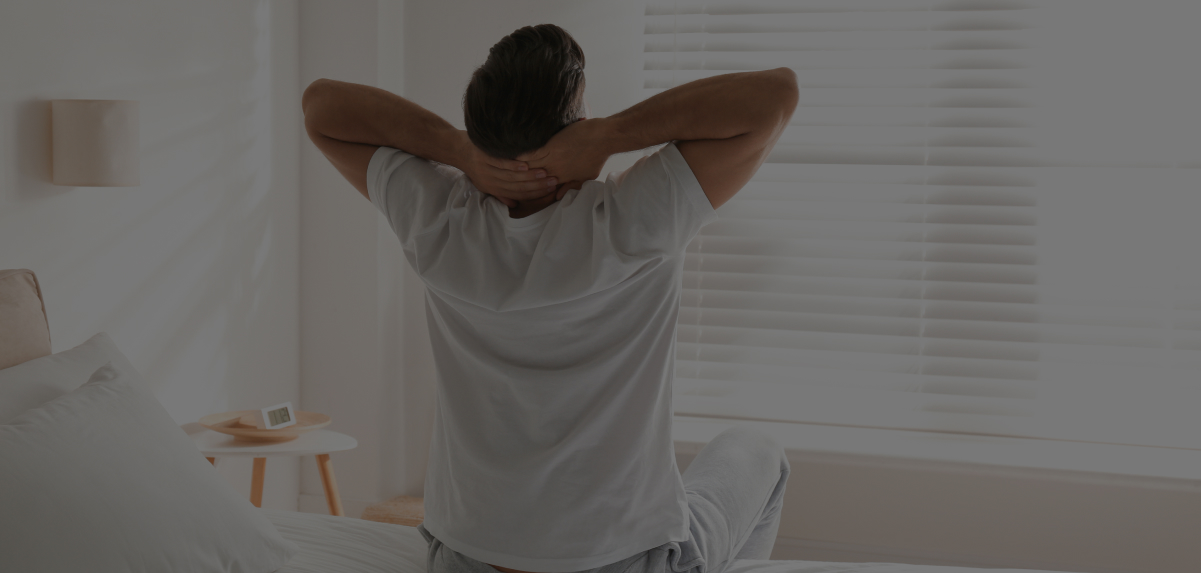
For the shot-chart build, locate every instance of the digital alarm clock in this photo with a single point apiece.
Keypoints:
(275, 417)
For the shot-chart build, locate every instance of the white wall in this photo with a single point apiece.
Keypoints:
(194, 272)
(356, 341)
(339, 346)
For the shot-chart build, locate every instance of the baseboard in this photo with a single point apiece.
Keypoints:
(315, 503)
(815, 550)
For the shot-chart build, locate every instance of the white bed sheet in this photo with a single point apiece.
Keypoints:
(345, 545)
(331, 544)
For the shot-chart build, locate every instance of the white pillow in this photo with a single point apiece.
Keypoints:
(33, 383)
(102, 480)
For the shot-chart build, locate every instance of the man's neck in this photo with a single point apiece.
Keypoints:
(527, 208)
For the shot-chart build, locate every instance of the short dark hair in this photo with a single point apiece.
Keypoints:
(530, 87)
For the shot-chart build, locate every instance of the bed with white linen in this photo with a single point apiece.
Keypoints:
(96, 476)
(356, 546)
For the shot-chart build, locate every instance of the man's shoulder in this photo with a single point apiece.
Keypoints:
(408, 169)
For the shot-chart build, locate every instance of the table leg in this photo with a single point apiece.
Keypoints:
(212, 460)
(256, 483)
(331, 486)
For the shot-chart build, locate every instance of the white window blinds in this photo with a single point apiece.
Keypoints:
(981, 219)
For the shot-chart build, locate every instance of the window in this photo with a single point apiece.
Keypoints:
(981, 219)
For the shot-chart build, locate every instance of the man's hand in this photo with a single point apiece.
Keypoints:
(725, 126)
(507, 180)
(576, 154)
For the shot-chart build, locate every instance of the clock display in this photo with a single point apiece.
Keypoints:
(279, 416)
(275, 417)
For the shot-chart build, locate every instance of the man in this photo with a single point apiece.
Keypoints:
(552, 300)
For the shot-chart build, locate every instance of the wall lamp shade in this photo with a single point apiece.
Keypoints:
(95, 142)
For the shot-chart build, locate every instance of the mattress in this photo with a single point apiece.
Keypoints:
(348, 545)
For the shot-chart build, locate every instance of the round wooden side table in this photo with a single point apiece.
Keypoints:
(319, 443)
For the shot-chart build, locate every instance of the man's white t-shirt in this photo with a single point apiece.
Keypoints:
(554, 340)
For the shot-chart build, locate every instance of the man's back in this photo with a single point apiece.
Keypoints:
(554, 339)
(553, 330)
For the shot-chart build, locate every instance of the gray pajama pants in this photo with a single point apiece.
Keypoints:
(735, 490)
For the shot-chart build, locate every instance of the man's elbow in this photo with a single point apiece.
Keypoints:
(312, 94)
(787, 92)
(775, 100)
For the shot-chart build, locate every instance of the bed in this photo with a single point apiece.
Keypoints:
(357, 546)
(72, 500)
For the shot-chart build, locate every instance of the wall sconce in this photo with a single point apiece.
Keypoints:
(95, 142)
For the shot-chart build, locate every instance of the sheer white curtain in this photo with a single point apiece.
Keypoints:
(981, 219)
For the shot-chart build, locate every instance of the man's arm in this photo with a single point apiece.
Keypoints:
(348, 122)
(725, 127)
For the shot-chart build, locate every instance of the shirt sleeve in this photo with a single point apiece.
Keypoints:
(659, 205)
(410, 192)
